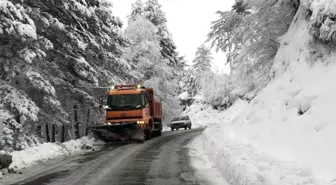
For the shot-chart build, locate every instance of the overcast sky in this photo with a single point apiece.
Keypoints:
(188, 21)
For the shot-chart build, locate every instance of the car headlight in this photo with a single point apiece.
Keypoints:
(140, 122)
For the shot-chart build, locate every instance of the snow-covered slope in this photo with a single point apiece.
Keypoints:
(286, 134)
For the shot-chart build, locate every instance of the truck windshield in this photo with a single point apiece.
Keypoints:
(126, 101)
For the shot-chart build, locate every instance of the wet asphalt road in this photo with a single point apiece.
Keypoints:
(161, 161)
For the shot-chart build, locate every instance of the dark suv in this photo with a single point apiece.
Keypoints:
(180, 122)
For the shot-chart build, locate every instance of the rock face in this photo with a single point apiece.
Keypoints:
(52, 54)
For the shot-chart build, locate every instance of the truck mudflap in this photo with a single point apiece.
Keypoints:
(118, 132)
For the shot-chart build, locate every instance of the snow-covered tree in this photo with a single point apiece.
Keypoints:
(152, 11)
(201, 66)
(250, 38)
(51, 54)
(149, 67)
(203, 59)
(241, 7)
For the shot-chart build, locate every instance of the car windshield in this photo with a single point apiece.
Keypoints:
(125, 101)
(181, 118)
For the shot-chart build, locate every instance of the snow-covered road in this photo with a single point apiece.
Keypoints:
(163, 160)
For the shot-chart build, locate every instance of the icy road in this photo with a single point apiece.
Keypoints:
(160, 161)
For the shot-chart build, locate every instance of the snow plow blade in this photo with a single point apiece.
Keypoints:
(117, 132)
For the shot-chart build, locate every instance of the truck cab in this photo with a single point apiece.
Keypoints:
(132, 108)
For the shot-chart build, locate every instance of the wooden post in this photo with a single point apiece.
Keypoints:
(47, 133)
(87, 122)
(53, 131)
(63, 133)
(76, 122)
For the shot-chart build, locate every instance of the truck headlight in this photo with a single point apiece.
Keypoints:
(140, 122)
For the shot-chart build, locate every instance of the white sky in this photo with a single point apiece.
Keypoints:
(188, 21)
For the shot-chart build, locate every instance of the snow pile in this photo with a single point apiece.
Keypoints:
(241, 163)
(165, 129)
(47, 151)
(205, 167)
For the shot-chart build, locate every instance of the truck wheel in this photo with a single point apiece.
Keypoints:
(148, 135)
(159, 133)
(172, 129)
(190, 127)
(185, 128)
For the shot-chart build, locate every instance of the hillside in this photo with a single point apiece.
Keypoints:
(286, 133)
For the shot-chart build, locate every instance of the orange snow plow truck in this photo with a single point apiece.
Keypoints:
(132, 113)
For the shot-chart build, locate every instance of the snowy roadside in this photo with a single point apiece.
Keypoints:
(224, 152)
(48, 151)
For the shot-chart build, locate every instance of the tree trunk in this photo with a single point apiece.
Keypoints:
(47, 133)
(76, 122)
(63, 134)
(53, 131)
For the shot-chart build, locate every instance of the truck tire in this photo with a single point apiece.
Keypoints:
(158, 129)
(148, 135)
(172, 129)
(185, 128)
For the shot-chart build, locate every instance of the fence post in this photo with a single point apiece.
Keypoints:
(76, 122)
(87, 122)
(63, 133)
(53, 131)
(47, 132)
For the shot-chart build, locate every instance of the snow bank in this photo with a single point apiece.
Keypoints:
(286, 134)
(165, 129)
(47, 151)
(203, 115)
(226, 152)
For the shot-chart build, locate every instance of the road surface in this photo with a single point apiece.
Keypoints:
(160, 161)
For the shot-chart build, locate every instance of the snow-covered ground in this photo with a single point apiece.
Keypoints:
(47, 151)
(286, 134)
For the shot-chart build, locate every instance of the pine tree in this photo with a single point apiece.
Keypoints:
(203, 59)
(162, 66)
(152, 11)
(250, 39)
(201, 66)
(137, 10)
(51, 56)
(149, 67)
